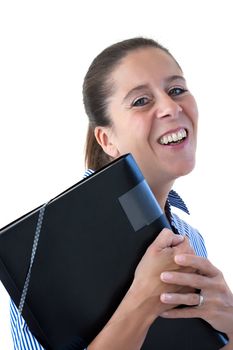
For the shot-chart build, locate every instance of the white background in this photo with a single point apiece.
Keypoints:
(45, 50)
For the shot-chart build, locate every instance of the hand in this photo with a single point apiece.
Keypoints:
(129, 324)
(217, 306)
(159, 256)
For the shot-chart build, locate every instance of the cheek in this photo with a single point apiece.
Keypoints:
(192, 110)
(133, 139)
(132, 130)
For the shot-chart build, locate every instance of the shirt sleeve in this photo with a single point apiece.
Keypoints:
(22, 337)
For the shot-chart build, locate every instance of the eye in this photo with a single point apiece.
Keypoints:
(176, 91)
(140, 102)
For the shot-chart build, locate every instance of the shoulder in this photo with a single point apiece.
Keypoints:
(194, 236)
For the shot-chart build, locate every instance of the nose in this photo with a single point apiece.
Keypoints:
(167, 107)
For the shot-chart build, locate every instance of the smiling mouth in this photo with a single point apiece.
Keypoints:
(174, 138)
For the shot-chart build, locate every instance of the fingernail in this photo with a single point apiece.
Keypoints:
(165, 276)
(179, 258)
(166, 297)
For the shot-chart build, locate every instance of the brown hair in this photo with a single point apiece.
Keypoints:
(97, 89)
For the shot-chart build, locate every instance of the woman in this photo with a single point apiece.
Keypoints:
(137, 101)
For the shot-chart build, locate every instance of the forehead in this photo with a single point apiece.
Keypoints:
(146, 65)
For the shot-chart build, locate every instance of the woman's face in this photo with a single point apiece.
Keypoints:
(153, 115)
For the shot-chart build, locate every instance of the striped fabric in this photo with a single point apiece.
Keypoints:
(22, 337)
(24, 340)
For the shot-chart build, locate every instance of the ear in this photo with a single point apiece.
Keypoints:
(104, 138)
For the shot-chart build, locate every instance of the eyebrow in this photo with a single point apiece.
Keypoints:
(146, 86)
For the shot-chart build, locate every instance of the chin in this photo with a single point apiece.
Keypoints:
(185, 169)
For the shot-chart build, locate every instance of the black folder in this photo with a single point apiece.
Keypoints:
(91, 238)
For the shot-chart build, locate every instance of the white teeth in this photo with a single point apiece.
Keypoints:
(180, 136)
(169, 138)
(184, 133)
(174, 137)
(165, 140)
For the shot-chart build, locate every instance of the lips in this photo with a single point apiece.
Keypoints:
(173, 137)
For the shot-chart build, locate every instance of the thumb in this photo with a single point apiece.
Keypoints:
(167, 239)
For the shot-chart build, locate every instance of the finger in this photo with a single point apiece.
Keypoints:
(186, 312)
(176, 240)
(193, 280)
(166, 239)
(201, 264)
(190, 299)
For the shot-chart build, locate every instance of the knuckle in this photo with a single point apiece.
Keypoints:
(151, 249)
(200, 281)
(218, 300)
(167, 230)
(220, 274)
(194, 299)
(216, 304)
(221, 287)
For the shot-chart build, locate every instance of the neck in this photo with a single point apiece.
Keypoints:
(161, 192)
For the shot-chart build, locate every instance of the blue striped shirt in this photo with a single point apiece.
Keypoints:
(22, 337)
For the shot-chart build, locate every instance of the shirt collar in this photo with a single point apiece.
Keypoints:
(175, 200)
